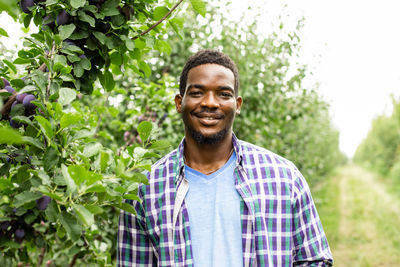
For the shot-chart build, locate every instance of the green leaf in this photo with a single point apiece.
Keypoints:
(199, 6)
(160, 144)
(107, 80)
(69, 119)
(71, 225)
(23, 119)
(52, 211)
(25, 197)
(92, 149)
(45, 126)
(132, 197)
(85, 216)
(43, 176)
(95, 188)
(104, 158)
(3, 32)
(94, 209)
(50, 159)
(144, 130)
(77, 173)
(100, 36)
(32, 141)
(116, 58)
(10, 65)
(67, 95)
(145, 68)
(65, 31)
(60, 62)
(159, 12)
(138, 177)
(51, 2)
(87, 18)
(126, 207)
(10, 136)
(68, 180)
(77, 3)
(22, 61)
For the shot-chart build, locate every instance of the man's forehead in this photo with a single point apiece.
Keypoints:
(215, 71)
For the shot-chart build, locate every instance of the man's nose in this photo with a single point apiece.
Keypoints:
(210, 100)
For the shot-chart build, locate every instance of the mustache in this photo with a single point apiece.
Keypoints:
(206, 112)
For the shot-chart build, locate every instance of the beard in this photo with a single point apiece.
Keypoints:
(207, 140)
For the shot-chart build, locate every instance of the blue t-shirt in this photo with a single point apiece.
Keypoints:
(214, 216)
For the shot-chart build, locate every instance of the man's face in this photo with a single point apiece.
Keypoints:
(209, 105)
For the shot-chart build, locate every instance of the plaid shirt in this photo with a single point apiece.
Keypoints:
(280, 224)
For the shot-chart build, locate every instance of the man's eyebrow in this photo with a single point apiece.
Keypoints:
(199, 86)
(226, 88)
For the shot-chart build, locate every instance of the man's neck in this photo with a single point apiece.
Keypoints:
(207, 158)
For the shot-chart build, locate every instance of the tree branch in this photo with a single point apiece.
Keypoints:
(158, 22)
(72, 263)
(41, 257)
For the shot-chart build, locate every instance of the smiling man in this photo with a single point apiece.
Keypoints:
(217, 200)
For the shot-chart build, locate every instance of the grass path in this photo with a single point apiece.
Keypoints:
(361, 219)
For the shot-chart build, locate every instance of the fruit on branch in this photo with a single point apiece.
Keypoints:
(20, 97)
(43, 202)
(4, 225)
(5, 83)
(28, 101)
(15, 124)
(26, 5)
(62, 18)
(13, 104)
(9, 89)
(19, 233)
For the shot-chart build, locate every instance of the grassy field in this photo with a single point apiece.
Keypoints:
(361, 218)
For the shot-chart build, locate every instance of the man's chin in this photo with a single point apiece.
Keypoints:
(210, 139)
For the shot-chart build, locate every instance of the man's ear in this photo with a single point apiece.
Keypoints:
(178, 103)
(239, 102)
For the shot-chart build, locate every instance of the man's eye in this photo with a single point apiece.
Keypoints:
(226, 94)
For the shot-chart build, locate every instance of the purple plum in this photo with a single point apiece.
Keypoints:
(5, 83)
(62, 18)
(27, 101)
(9, 89)
(15, 124)
(26, 5)
(42, 202)
(20, 97)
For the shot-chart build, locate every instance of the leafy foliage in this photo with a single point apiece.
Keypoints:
(380, 150)
(71, 161)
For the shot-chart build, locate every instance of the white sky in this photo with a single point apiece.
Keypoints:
(353, 50)
(352, 47)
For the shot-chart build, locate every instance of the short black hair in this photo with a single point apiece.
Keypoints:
(208, 56)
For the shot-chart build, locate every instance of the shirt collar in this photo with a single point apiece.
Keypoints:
(181, 162)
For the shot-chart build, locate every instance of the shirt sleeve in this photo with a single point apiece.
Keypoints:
(134, 245)
(310, 244)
